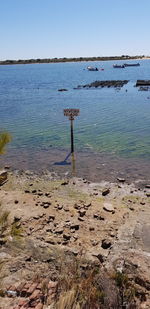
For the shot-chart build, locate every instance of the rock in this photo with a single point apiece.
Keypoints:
(147, 186)
(17, 218)
(86, 206)
(59, 231)
(3, 241)
(51, 218)
(94, 242)
(60, 207)
(76, 206)
(11, 293)
(109, 207)
(80, 219)
(91, 228)
(99, 216)
(66, 209)
(45, 204)
(82, 212)
(106, 244)
(66, 236)
(63, 89)
(3, 177)
(50, 240)
(64, 183)
(74, 226)
(121, 179)
(105, 191)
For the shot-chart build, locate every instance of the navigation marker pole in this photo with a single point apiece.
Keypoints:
(71, 113)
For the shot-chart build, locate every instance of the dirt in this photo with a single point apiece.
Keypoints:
(50, 219)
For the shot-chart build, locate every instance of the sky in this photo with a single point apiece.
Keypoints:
(73, 28)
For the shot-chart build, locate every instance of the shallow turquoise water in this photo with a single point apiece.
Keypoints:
(111, 121)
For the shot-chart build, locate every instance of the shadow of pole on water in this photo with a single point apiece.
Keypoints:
(64, 162)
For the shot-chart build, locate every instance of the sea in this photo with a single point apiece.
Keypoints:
(111, 132)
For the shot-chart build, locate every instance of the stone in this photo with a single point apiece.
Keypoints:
(98, 216)
(60, 207)
(50, 240)
(82, 212)
(51, 218)
(91, 228)
(121, 179)
(3, 177)
(81, 219)
(76, 206)
(74, 226)
(66, 236)
(94, 242)
(109, 207)
(64, 183)
(59, 231)
(63, 89)
(105, 191)
(147, 186)
(17, 218)
(86, 206)
(106, 244)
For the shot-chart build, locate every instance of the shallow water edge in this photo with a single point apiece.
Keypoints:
(90, 165)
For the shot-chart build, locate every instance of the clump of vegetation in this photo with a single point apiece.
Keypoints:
(126, 289)
(4, 139)
(3, 222)
(16, 230)
(83, 285)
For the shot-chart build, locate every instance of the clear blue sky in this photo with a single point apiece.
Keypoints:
(73, 28)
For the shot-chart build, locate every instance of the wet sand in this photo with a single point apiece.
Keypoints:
(90, 165)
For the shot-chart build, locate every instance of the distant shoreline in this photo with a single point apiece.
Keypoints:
(80, 59)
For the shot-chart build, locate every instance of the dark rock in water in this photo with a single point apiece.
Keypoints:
(142, 83)
(63, 89)
(104, 83)
(144, 88)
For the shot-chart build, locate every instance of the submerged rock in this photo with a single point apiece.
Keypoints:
(104, 83)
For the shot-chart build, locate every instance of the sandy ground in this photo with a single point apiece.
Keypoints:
(104, 222)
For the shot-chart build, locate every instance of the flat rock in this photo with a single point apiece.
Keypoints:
(109, 207)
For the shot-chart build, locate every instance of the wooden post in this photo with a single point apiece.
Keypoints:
(71, 113)
(72, 141)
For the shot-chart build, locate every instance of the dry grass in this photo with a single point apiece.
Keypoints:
(3, 222)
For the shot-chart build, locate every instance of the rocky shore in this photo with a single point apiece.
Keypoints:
(72, 243)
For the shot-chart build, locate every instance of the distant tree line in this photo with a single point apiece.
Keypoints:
(79, 59)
